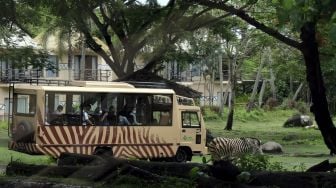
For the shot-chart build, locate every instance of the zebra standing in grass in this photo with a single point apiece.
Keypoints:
(225, 148)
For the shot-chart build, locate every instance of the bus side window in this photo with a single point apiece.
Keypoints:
(165, 118)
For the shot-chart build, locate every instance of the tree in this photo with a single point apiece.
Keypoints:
(128, 29)
(13, 27)
(236, 51)
(309, 15)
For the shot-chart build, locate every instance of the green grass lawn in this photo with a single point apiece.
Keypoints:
(7, 155)
(302, 147)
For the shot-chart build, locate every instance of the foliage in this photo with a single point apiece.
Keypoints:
(257, 114)
(300, 106)
(210, 113)
(21, 58)
(257, 163)
(122, 31)
(244, 116)
(242, 99)
(3, 125)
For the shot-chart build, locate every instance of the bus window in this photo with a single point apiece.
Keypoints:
(62, 108)
(25, 104)
(162, 117)
(190, 120)
(55, 108)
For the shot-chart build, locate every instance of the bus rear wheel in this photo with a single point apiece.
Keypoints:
(182, 155)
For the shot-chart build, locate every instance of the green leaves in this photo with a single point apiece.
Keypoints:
(288, 4)
(332, 33)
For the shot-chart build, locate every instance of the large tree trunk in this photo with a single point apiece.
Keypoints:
(232, 82)
(319, 106)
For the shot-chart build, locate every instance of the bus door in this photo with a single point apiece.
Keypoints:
(191, 130)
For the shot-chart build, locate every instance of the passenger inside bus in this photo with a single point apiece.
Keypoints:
(127, 117)
(59, 110)
(56, 116)
(108, 117)
(86, 116)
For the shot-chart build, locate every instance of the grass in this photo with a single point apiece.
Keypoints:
(302, 147)
(9, 155)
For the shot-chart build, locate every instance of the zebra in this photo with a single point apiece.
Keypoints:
(221, 148)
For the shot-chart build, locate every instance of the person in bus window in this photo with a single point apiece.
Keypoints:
(86, 116)
(128, 117)
(132, 116)
(56, 116)
(122, 116)
(59, 110)
(103, 118)
(108, 117)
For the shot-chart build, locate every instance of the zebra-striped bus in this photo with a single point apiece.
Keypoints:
(115, 119)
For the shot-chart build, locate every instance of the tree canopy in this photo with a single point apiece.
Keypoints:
(121, 31)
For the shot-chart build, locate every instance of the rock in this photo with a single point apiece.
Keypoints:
(271, 147)
(298, 120)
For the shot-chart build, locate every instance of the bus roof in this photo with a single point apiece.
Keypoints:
(96, 89)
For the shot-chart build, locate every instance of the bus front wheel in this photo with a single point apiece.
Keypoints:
(183, 155)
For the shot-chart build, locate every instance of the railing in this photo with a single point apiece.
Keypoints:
(92, 75)
(189, 76)
(37, 76)
(20, 75)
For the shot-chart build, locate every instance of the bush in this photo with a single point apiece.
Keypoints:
(271, 104)
(243, 98)
(210, 113)
(250, 162)
(244, 116)
(300, 106)
(3, 125)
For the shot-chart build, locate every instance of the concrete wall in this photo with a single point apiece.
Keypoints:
(205, 88)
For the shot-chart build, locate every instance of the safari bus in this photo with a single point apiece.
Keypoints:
(112, 118)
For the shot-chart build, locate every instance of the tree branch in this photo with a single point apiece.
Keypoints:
(252, 21)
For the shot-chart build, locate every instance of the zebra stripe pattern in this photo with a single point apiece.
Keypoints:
(125, 141)
(224, 148)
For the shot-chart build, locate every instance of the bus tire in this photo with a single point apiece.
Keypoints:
(24, 132)
(103, 152)
(183, 154)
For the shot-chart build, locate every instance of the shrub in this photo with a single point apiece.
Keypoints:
(210, 113)
(300, 106)
(244, 116)
(250, 162)
(288, 104)
(271, 103)
(3, 125)
(243, 98)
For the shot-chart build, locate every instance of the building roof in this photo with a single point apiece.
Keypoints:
(143, 78)
(18, 41)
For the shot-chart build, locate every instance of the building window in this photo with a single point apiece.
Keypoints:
(52, 73)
